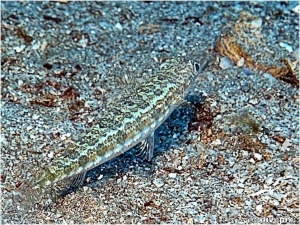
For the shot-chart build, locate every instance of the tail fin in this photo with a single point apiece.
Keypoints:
(26, 196)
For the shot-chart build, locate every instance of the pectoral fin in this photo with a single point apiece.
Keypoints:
(78, 179)
(146, 147)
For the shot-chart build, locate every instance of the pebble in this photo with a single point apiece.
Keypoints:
(286, 46)
(253, 101)
(213, 104)
(248, 202)
(296, 53)
(20, 82)
(218, 117)
(258, 156)
(269, 77)
(119, 26)
(225, 63)
(256, 23)
(100, 177)
(35, 116)
(241, 62)
(191, 211)
(29, 127)
(248, 71)
(216, 142)
(20, 48)
(83, 42)
(252, 161)
(3, 140)
(259, 208)
(43, 46)
(269, 180)
(273, 202)
(36, 46)
(104, 25)
(158, 183)
(231, 161)
(296, 9)
(245, 153)
(50, 154)
(285, 144)
(172, 175)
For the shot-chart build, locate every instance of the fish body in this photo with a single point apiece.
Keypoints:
(129, 121)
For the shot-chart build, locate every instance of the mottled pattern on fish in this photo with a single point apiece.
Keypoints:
(129, 121)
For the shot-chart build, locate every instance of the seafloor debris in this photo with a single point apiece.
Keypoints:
(244, 44)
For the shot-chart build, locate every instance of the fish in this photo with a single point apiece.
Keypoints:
(129, 121)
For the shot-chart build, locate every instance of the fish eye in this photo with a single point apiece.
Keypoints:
(196, 67)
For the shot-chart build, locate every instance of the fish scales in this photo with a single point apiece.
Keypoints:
(126, 123)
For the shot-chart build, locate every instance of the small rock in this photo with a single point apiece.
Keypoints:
(256, 23)
(241, 62)
(296, 53)
(50, 155)
(231, 161)
(20, 48)
(245, 153)
(158, 183)
(218, 117)
(43, 46)
(286, 144)
(252, 161)
(36, 46)
(296, 9)
(225, 63)
(20, 82)
(216, 142)
(245, 88)
(104, 25)
(286, 46)
(247, 71)
(85, 189)
(277, 129)
(190, 221)
(274, 202)
(269, 77)
(3, 140)
(269, 180)
(172, 175)
(258, 156)
(191, 211)
(35, 116)
(119, 26)
(248, 203)
(259, 208)
(63, 137)
(240, 190)
(29, 128)
(83, 42)
(213, 104)
(253, 101)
